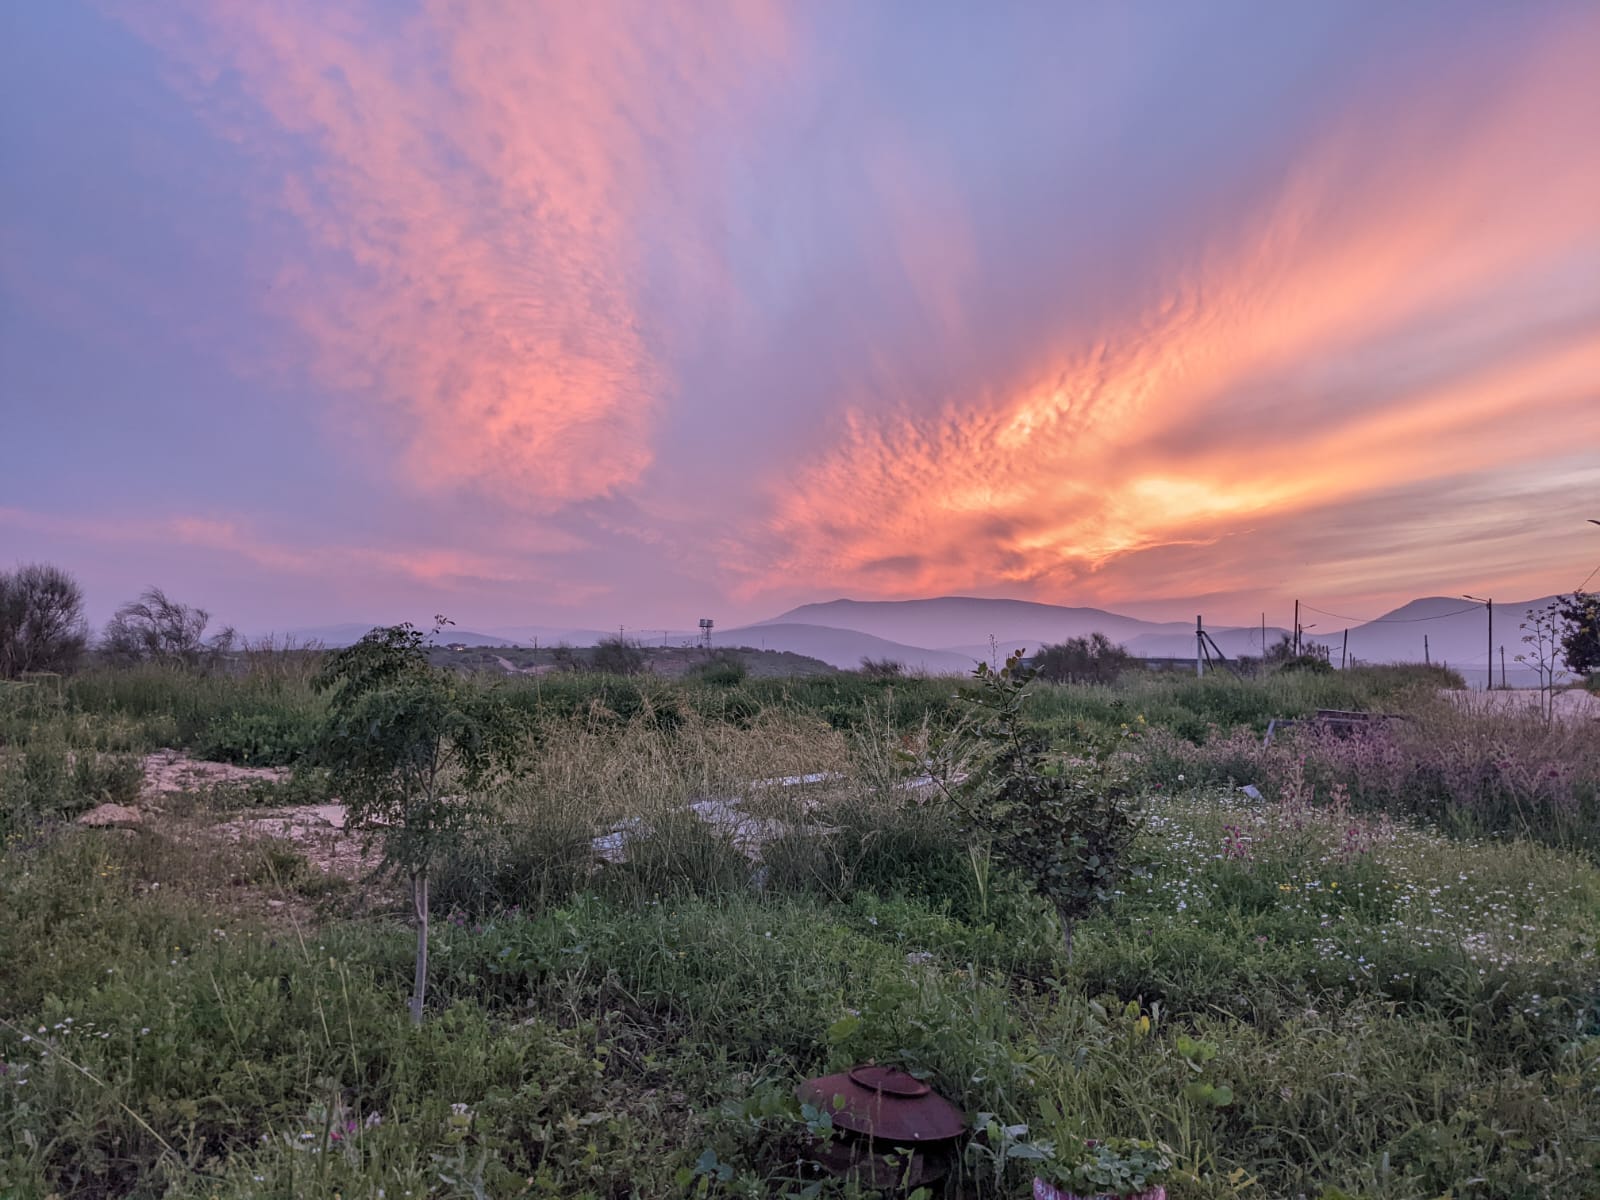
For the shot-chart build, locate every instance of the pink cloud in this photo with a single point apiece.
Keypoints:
(482, 178)
(1413, 301)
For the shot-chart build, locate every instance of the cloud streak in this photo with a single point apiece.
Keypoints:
(1413, 301)
(647, 311)
(476, 184)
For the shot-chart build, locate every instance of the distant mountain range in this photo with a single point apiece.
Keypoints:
(845, 647)
(1456, 632)
(949, 634)
(354, 631)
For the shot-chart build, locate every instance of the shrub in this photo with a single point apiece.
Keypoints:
(725, 669)
(1059, 821)
(618, 656)
(275, 737)
(1092, 659)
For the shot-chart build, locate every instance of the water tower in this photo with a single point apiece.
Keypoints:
(705, 632)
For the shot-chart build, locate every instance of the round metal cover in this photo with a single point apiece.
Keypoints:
(884, 1103)
(891, 1081)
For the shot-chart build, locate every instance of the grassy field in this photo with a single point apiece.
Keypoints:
(1378, 981)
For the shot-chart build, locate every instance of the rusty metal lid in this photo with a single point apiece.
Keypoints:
(891, 1081)
(884, 1102)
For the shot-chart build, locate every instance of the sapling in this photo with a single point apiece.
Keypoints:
(409, 749)
(1062, 822)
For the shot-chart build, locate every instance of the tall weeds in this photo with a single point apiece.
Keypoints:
(1471, 772)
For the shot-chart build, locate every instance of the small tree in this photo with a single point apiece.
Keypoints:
(1579, 614)
(1092, 659)
(1061, 822)
(618, 656)
(156, 628)
(409, 748)
(41, 620)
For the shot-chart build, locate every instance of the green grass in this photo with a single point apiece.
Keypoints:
(1297, 998)
(1428, 1021)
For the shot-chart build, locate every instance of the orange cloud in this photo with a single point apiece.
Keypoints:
(484, 176)
(1415, 301)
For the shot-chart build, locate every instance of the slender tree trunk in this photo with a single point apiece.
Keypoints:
(419, 904)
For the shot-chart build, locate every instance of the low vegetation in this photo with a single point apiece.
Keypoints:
(677, 899)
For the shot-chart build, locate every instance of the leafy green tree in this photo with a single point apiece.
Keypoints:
(1580, 638)
(1061, 821)
(41, 620)
(410, 750)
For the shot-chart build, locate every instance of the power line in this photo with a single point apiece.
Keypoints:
(1395, 620)
(1592, 574)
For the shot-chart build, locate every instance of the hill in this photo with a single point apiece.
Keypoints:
(846, 648)
(962, 625)
(351, 632)
(1457, 633)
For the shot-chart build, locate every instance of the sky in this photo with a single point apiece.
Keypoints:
(634, 313)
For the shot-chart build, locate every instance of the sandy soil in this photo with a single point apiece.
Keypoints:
(167, 772)
(316, 830)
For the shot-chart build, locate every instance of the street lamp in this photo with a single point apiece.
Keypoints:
(1488, 685)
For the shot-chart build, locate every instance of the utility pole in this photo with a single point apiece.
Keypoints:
(1488, 685)
(1199, 647)
(1297, 628)
(1344, 650)
(1426, 661)
(1502, 668)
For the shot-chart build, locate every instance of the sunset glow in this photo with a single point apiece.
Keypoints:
(627, 313)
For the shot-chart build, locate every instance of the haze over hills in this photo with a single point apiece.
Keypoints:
(1457, 633)
(844, 647)
(949, 634)
(348, 632)
(950, 621)
(963, 625)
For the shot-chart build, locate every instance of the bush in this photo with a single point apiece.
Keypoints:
(277, 737)
(1094, 659)
(882, 668)
(725, 669)
(618, 656)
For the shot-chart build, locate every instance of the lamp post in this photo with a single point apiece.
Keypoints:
(1488, 684)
